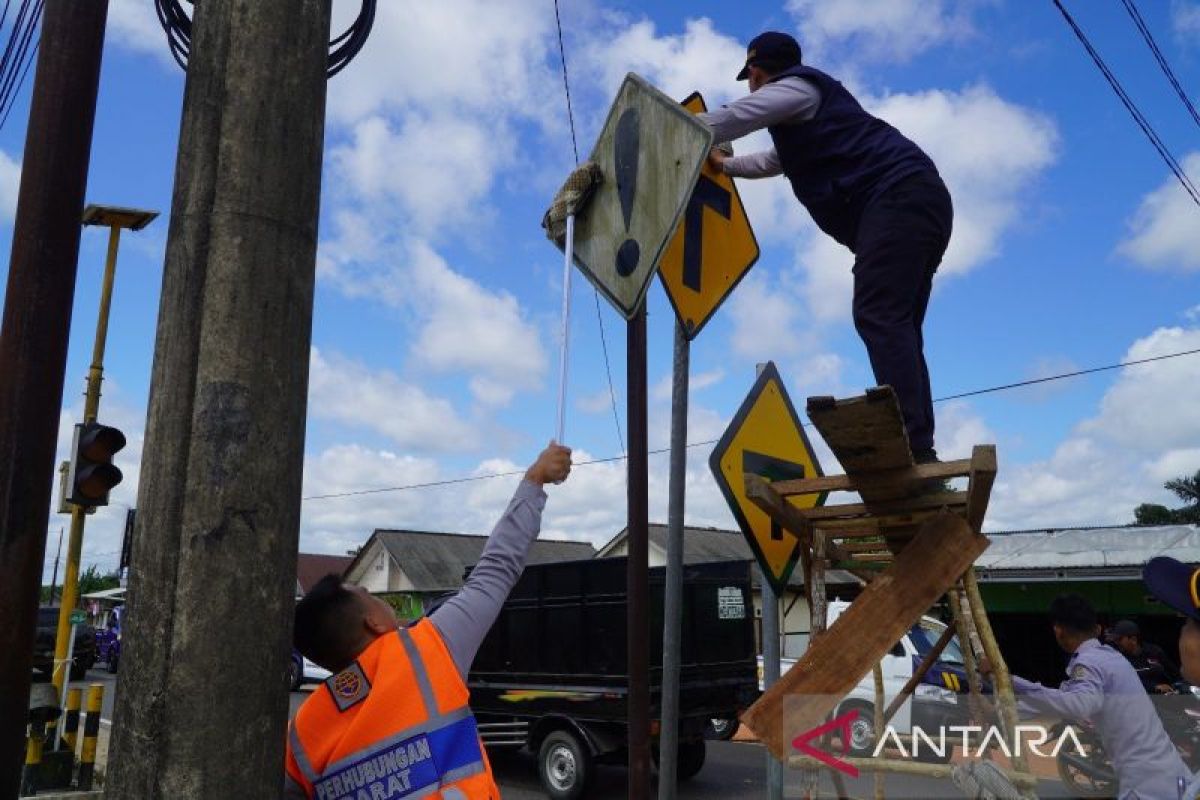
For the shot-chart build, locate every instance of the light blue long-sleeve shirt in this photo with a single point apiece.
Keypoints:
(1103, 689)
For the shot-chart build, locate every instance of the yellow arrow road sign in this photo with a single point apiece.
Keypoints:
(713, 247)
(767, 439)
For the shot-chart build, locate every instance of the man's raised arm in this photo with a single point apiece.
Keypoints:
(465, 618)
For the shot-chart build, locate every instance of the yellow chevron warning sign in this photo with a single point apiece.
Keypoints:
(767, 439)
(712, 249)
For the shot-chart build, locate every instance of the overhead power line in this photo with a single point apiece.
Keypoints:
(1148, 37)
(974, 393)
(19, 52)
(1131, 107)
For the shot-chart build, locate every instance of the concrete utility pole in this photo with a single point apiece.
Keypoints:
(213, 569)
(34, 334)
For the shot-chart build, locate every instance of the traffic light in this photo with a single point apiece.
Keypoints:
(92, 474)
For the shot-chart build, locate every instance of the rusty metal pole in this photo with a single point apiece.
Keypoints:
(34, 336)
(638, 563)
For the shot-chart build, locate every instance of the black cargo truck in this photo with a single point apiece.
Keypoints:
(551, 676)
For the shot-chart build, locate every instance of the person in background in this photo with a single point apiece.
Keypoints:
(393, 719)
(1103, 690)
(1157, 671)
(1177, 585)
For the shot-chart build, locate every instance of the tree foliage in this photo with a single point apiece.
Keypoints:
(92, 580)
(1187, 489)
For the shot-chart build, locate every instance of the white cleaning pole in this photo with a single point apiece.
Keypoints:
(566, 329)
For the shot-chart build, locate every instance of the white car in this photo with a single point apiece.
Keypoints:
(301, 671)
(313, 673)
(933, 704)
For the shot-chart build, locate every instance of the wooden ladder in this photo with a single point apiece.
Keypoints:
(911, 540)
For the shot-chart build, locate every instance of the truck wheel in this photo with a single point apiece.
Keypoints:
(113, 660)
(564, 766)
(691, 759)
(78, 670)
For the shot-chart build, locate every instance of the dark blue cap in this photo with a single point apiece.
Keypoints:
(778, 50)
(1175, 584)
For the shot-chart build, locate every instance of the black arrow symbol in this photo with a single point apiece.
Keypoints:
(708, 194)
(771, 469)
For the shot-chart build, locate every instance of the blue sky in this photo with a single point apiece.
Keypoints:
(435, 327)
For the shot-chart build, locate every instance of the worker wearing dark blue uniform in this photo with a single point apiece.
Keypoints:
(868, 187)
(1178, 585)
(1103, 690)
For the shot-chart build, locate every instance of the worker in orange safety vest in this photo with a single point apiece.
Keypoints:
(393, 720)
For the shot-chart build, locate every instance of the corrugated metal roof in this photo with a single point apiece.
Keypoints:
(311, 567)
(436, 561)
(1090, 547)
(702, 545)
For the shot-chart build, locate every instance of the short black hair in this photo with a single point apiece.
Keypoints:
(328, 627)
(1074, 613)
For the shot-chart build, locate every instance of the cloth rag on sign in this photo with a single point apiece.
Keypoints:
(571, 199)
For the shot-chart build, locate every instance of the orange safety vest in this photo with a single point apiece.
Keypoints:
(395, 724)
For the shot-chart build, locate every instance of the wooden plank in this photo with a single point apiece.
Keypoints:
(903, 477)
(880, 522)
(983, 475)
(865, 433)
(898, 506)
(865, 547)
(889, 605)
(759, 492)
(1022, 780)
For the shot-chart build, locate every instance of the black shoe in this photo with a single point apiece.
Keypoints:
(926, 456)
(933, 485)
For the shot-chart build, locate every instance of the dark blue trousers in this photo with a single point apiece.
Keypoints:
(902, 235)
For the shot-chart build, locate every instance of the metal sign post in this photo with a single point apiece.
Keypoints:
(771, 655)
(711, 250)
(668, 748)
(638, 619)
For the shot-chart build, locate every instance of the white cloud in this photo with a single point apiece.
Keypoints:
(988, 150)
(465, 327)
(1165, 230)
(765, 314)
(700, 59)
(697, 382)
(589, 506)
(462, 55)
(379, 401)
(595, 403)
(134, 25)
(335, 525)
(461, 326)
(391, 164)
(1185, 20)
(10, 186)
(880, 30)
(1146, 430)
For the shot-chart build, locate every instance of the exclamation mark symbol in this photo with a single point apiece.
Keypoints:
(626, 148)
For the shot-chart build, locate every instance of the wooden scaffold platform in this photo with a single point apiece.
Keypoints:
(912, 540)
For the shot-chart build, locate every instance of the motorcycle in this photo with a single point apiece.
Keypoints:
(1090, 773)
